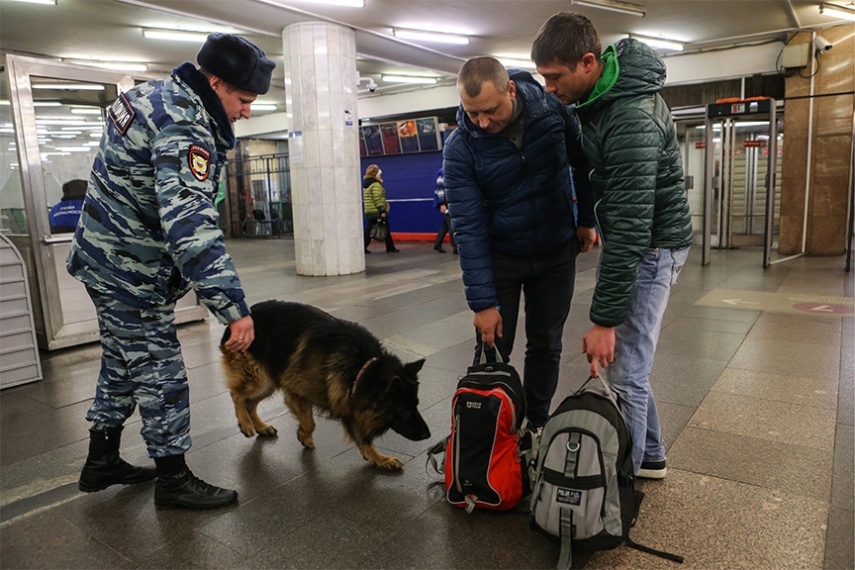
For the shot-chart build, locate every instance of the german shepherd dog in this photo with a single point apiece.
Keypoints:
(326, 363)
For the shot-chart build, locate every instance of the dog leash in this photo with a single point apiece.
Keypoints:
(362, 370)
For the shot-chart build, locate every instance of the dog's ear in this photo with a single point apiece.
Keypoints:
(412, 369)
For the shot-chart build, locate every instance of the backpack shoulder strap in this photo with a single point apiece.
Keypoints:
(565, 560)
(438, 448)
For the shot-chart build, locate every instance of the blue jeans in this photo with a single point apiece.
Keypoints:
(547, 282)
(635, 346)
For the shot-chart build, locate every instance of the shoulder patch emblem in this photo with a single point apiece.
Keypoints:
(200, 161)
(121, 113)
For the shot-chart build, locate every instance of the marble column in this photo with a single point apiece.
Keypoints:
(326, 185)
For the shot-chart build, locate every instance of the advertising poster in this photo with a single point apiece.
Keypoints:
(362, 149)
(391, 143)
(428, 139)
(373, 140)
(409, 139)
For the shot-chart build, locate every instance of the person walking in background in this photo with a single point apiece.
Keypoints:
(509, 192)
(642, 209)
(439, 202)
(65, 214)
(375, 206)
(148, 235)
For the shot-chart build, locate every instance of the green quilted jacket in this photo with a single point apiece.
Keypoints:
(373, 198)
(636, 170)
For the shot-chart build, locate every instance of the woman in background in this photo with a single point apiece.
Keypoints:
(375, 205)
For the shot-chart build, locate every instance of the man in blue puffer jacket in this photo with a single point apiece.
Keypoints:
(508, 187)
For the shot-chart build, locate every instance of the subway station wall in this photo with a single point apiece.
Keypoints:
(409, 180)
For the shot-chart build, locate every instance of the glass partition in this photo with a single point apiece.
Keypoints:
(12, 217)
(55, 115)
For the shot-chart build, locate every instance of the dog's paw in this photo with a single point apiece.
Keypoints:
(388, 462)
(248, 431)
(267, 431)
(306, 439)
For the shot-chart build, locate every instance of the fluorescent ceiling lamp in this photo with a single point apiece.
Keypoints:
(423, 36)
(739, 124)
(835, 11)
(613, 6)
(345, 3)
(45, 2)
(515, 62)
(409, 79)
(262, 107)
(659, 42)
(5, 102)
(112, 65)
(75, 125)
(69, 86)
(85, 111)
(196, 37)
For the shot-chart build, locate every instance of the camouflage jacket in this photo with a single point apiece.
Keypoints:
(148, 233)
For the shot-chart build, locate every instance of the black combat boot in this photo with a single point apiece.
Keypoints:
(104, 467)
(178, 488)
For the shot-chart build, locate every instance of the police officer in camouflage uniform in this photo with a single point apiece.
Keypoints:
(147, 236)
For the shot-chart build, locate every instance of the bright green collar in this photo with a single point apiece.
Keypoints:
(607, 80)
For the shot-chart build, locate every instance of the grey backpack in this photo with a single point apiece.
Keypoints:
(583, 488)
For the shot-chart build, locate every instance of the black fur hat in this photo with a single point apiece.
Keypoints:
(236, 61)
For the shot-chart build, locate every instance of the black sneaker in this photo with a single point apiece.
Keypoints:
(652, 470)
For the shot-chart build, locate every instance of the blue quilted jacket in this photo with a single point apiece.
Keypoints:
(517, 202)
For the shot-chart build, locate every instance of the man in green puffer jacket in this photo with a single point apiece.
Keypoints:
(642, 212)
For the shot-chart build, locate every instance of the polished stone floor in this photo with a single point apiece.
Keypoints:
(753, 379)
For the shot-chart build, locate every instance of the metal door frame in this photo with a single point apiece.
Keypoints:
(764, 109)
(36, 246)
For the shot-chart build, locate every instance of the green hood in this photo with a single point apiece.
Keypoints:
(630, 67)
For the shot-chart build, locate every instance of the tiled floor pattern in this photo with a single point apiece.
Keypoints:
(756, 404)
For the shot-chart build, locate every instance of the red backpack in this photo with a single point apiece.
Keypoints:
(487, 453)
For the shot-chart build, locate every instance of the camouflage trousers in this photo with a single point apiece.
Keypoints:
(142, 365)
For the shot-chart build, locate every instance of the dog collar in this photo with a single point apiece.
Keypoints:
(362, 370)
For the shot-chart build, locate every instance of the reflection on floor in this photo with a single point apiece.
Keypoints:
(754, 381)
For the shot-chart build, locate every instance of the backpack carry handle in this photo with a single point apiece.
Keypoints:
(484, 354)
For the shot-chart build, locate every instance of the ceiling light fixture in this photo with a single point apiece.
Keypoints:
(69, 86)
(409, 79)
(659, 42)
(516, 63)
(836, 11)
(86, 111)
(112, 65)
(420, 35)
(262, 107)
(44, 2)
(613, 6)
(197, 37)
(345, 3)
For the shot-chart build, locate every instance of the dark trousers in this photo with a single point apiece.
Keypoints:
(444, 229)
(390, 245)
(547, 283)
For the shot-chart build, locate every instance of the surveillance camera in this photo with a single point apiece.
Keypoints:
(822, 44)
(372, 87)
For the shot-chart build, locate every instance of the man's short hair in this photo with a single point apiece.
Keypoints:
(564, 38)
(478, 70)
